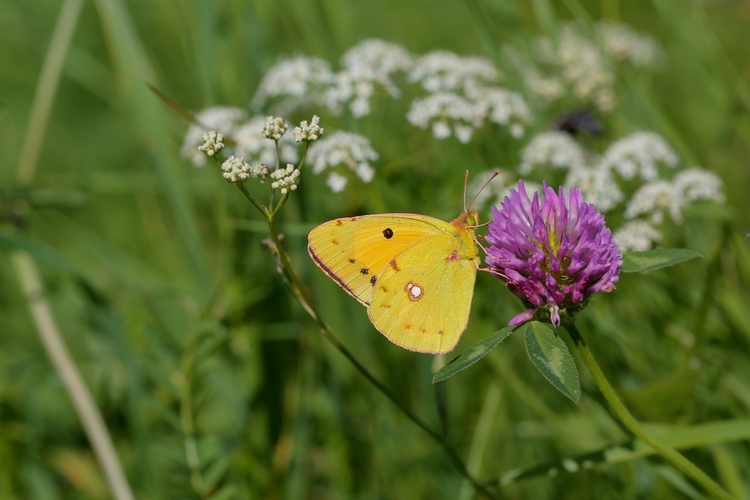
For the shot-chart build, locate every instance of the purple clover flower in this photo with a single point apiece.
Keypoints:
(553, 252)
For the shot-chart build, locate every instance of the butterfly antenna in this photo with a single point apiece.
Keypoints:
(494, 174)
(466, 181)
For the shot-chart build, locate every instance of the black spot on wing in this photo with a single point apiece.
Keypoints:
(373, 280)
(388, 233)
(364, 271)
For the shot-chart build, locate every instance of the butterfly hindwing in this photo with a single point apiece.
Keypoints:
(353, 251)
(423, 297)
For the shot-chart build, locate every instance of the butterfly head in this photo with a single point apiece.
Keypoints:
(467, 220)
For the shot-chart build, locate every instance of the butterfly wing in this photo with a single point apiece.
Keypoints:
(354, 251)
(422, 299)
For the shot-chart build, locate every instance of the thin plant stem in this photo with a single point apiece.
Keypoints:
(46, 88)
(291, 278)
(91, 419)
(668, 452)
(187, 419)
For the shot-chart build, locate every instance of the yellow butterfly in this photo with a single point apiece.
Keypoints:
(414, 273)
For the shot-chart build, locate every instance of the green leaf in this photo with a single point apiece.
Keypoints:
(472, 355)
(551, 357)
(638, 262)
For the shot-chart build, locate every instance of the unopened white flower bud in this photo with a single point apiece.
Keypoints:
(212, 143)
(236, 170)
(308, 133)
(275, 128)
(285, 179)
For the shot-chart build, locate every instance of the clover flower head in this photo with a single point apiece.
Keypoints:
(275, 127)
(285, 179)
(351, 150)
(308, 132)
(553, 251)
(212, 143)
(235, 169)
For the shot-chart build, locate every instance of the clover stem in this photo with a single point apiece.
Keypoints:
(665, 450)
(291, 278)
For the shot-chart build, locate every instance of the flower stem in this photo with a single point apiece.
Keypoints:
(668, 452)
(291, 278)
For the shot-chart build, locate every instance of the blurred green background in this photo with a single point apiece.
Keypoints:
(185, 334)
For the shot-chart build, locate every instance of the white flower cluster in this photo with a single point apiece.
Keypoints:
(219, 119)
(342, 148)
(235, 169)
(656, 197)
(583, 67)
(285, 179)
(462, 92)
(295, 81)
(636, 236)
(462, 95)
(212, 143)
(370, 63)
(251, 144)
(623, 43)
(639, 154)
(556, 149)
(629, 165)
(245, 137)
(303, 80)
(308, 132)
(238, 170)
(275, 128)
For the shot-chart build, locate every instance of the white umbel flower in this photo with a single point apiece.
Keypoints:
(212, 143)
(223, 120)
(442, 71)
(556, 149)
(235, 169)
(694, 184)
(296, 81)
(275, 128)
(251, 144)
(343, 148)
(368, 64)
(636, 236)
(651, 199)
(285, 179)
(598, 186)
(623, 43)
(308, 132)
(640, 154)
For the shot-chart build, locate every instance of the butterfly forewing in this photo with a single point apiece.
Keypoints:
(422, 299)
(354, 251)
